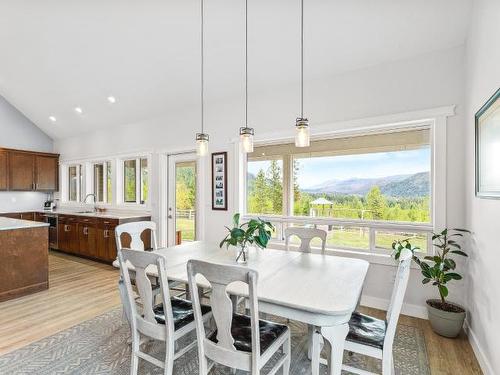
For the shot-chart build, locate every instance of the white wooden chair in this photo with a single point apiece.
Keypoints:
(134, 230)
(168, 321)
(306, 235)
(375, 337)
(240, 341)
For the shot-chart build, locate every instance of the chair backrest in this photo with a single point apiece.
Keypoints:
(134, 230)
(305, 235)
(144, 321)
(398, 294)
(220, 276)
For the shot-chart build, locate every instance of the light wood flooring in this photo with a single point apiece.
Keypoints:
(81, 289)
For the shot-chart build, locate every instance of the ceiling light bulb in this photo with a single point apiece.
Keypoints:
(112, 99)
(246, 139)
(78, 110)
(302, 138)
(52, 118)
(201, 144)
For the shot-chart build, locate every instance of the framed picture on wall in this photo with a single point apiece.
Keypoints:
(219, 181)
(488, 149)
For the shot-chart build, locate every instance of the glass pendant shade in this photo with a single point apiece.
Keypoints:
(246, 139)
(201, 144)
(302, 138)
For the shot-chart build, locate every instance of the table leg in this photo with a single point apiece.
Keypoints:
(335, 335)
(315, 350)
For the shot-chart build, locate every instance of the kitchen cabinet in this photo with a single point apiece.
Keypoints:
(21, 169)
(38, 216)
(27, 216)
(68, 234)
(3, 171)
(106, 241)
(28, 171)
(46, 173)
(94, 237)
(87, 232)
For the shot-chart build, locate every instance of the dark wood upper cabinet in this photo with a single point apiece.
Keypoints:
(46, 173)
(28, 171)
(3, 171)
(21, 171)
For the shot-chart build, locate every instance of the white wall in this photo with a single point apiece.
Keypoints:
(422, 82)
(16, 131)
(483, 297)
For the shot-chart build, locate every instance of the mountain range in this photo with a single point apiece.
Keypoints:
(401, 186)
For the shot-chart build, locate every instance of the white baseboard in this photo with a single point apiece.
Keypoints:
(478, 351)
(382, 304)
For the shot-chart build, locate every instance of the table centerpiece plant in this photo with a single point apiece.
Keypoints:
(446, 317)
(255, 232)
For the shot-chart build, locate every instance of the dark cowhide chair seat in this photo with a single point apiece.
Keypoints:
(241, 331)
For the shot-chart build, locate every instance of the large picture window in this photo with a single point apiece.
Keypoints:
(365, 190)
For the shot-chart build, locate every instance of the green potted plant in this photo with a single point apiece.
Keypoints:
(254, 232)
(446, 318)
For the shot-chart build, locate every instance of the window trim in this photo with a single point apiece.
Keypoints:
(435, 119)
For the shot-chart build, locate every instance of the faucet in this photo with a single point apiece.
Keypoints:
(95, 200)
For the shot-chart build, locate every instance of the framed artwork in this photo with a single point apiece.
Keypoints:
(488, 149)
(219, 181)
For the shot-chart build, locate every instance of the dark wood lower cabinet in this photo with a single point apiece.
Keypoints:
(92, 237)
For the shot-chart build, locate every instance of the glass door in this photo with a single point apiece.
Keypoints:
(182, 198)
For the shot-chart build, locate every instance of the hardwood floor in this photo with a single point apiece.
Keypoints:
(78, 290)
(81, 289)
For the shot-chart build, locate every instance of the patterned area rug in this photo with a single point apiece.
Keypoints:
(99, 346)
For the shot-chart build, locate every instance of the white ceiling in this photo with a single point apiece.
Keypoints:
(58, 54)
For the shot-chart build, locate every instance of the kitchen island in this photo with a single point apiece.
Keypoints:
(24, 250)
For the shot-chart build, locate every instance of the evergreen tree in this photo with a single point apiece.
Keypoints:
(376, 203)
(275, 187)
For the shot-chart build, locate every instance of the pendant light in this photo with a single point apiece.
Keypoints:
(246, 133)
(302, 137)
(202, 138)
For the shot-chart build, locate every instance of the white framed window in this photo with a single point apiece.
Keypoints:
(135, 180)
(102, 181)
(74, 183)
(365, 190)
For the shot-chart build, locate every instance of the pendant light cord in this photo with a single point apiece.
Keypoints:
(202, 68)
(246, 63)
(302, 59)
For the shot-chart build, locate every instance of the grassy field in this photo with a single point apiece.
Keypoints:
(186, 226)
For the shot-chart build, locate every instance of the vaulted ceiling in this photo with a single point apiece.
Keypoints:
(59, 54)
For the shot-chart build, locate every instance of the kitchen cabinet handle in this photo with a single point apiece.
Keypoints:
(67, 228)
(105, 233)
(86, 231)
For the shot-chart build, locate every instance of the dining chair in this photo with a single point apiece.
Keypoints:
(240, 341)
(135, 230)
(168, 321)
(306, 235)
(375, 337)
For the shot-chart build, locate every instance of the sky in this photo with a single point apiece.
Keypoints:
(314, 171)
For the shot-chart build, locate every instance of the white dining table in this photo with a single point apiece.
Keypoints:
(320, 290)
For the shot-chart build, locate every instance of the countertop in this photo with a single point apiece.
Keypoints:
(10, 224)
(104, 215)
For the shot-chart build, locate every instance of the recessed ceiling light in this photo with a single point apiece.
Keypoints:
(78, 110)
(52, 118)
(112, 99)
